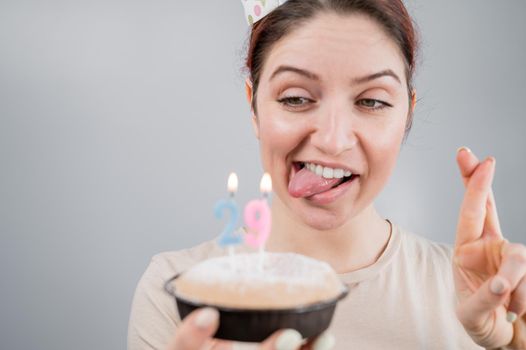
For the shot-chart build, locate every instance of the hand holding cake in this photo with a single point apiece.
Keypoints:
(196, 332)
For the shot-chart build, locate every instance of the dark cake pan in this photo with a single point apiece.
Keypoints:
(255, 325)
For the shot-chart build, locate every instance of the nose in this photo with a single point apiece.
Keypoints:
(334, 132)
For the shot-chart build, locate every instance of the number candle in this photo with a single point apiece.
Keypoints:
(258, 218)
(228, 238)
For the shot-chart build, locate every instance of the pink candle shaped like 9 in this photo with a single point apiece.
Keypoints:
(258, 217)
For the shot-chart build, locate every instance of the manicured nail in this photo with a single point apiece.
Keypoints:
(326, 341)
(463, 148)
(206, 317)
(289, 339)
(497, 285)
(511, 317)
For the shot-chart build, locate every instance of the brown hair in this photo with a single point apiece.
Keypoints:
(390, 14)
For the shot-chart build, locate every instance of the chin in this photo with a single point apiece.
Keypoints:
(322, 219)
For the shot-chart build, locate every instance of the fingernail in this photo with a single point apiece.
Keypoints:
(326, 341)
(289, 339)
(206, 317)
(497, 285)
(511, 317)
(463, 148)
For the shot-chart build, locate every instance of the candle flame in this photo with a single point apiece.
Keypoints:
(265, 186)
(232, 183)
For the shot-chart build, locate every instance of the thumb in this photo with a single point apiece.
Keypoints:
(475, 311)
(196, 330)
(285, 339)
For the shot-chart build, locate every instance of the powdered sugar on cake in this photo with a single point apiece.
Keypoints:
(286, 280)
(289, 268)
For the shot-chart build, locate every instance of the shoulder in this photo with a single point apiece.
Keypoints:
(166, 264)
(418, 249)
(427, 264)
(153, 316)
(424, 246)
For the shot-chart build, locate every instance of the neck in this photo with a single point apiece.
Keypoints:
(355, 245)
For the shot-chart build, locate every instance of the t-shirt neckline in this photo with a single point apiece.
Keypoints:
(373, 270)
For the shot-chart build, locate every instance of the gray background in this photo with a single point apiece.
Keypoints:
(120, 120)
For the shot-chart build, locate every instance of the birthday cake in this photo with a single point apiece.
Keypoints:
(260, 281)
(258, 293)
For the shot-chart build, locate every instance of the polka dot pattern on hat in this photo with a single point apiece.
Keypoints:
(257, 9)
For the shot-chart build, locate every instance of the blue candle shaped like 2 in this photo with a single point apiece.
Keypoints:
(228, 237)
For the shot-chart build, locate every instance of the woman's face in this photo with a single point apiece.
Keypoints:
(332, 100)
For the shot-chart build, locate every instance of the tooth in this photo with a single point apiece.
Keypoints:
(347, 173)
(338, 173)
(319, 170)
(328, 173)
(312, 167)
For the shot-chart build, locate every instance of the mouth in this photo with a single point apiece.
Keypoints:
(344, 175)
(319, 183)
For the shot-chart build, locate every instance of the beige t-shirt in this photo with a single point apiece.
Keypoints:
(405, 300)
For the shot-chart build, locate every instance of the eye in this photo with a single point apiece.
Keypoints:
(373, 104)
(295, 101)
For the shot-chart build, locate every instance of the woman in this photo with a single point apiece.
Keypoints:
(331, 94)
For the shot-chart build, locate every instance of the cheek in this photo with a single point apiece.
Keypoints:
(382, 151)
(279, 136)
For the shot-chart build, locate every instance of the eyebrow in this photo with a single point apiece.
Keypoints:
(313, 76)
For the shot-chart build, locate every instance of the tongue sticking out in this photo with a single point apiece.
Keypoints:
(305, 183)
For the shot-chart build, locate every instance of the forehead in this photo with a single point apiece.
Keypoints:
(332, 45)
